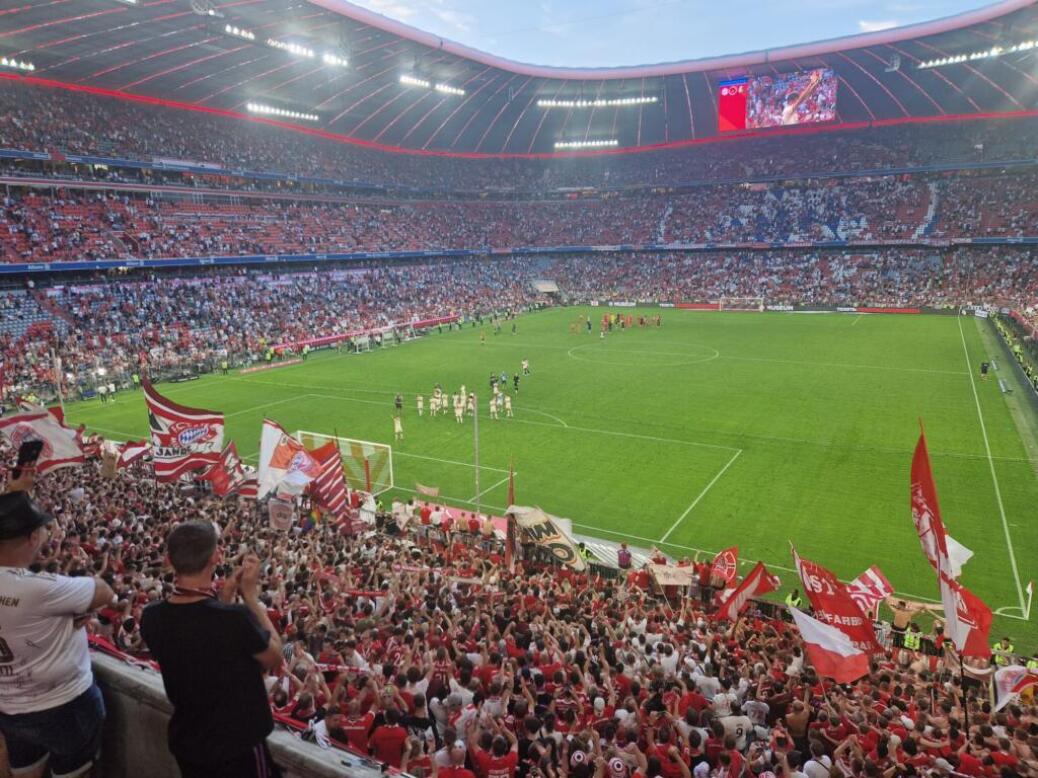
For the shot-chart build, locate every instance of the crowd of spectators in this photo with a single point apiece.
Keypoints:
(48, 119)
(418, 648)
(70, 225)
(164, 323)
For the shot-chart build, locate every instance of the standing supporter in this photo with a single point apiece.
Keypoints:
(50, 707)
(212, 654)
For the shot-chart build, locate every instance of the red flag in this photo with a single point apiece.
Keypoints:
(183, 439)
(249, 488)
(834, 605)
(758, 582)
(943, 551)
(967, 618)
(329, 487)
(227, 474)
(726, 566)
(831, 652)
(511, 538)
(511, 484)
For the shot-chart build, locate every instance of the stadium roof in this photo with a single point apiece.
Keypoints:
(231, 54)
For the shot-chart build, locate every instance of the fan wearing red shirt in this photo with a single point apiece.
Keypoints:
(357, 726)
(501, 760)
(388, 740)
(457, 768)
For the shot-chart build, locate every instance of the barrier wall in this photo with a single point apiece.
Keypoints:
(135, 732)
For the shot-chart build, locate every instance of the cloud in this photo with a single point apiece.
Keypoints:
(394, 9)
(876, 26)
(459, 20)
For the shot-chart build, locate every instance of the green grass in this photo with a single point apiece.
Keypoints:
(717, 429)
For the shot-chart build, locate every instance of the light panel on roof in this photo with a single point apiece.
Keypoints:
(407, 80)
(291, 48)
(994, 51)
(333, 59)
(17, 64)
(447, 89)
(239, 32)
(603, 102)
(586, 144)
(269, 110)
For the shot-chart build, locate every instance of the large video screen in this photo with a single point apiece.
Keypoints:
(805, 97)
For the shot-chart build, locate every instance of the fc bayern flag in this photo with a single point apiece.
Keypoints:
(759, 581)
(183, 439)
(61, 446)
(967, 619)
(831, 652)
(725, 566)
(834, 605)
(870, 589)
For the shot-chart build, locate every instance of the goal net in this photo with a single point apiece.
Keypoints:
(741, 304)
(368, 466)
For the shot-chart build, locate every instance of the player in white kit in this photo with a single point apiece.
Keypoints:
(493, 407)
(421, 405)
(508, 405)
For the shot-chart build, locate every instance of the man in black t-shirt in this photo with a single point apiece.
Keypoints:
(212, 654)
(984, 371)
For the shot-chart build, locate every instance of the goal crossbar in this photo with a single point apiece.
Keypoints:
(367, 465)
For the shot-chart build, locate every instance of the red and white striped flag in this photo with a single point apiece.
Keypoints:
(329, 487)
(130, 452)
(759, 581)
(227, 474)
(870, 589)
(183, 439)
(249, 488)
(831, 652)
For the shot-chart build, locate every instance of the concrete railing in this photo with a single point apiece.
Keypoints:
(135, 732)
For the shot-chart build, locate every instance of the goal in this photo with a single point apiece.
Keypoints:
(741, 304)
(368, 466)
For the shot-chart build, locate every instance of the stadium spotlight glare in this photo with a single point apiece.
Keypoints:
(610, 102)
(994, 51)
(447, 89)
(239, 32)
(269, 110)
(334, 59)
(586, 144)
(291, 48)
(407, 80)
(128, 2)
(16, 64)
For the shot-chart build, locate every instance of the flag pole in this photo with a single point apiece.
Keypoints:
(1030, 596)
(56, 367)
(475, 447)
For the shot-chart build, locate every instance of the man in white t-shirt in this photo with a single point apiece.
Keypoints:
(819, 765)
(50, 706)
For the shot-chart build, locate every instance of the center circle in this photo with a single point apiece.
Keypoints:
(596, 353)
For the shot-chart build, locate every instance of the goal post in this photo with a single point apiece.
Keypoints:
(741, 304)
(368, 466)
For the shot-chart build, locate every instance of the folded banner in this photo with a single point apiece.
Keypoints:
(668, 575)
(329, 487)
(131, 451)
(61, 446)
(834, 605)
(428, 491)
(183, 439)
(539, 528)
(284, 463)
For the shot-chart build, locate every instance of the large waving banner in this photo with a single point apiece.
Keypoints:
(541, 529)
(182, 439)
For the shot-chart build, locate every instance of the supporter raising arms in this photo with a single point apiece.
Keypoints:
(212, 654)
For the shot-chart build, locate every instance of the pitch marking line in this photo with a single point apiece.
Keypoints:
(491, 488)
(542, 413)
(857, 319)
(700, 496)
(994, 477)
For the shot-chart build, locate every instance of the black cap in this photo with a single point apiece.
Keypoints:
(19, 516)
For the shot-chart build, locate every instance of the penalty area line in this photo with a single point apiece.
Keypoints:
(489, 489)
(700, 496)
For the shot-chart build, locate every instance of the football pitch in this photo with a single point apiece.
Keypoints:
(716, 429)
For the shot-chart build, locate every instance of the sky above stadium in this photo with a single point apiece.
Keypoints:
(601, 33)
